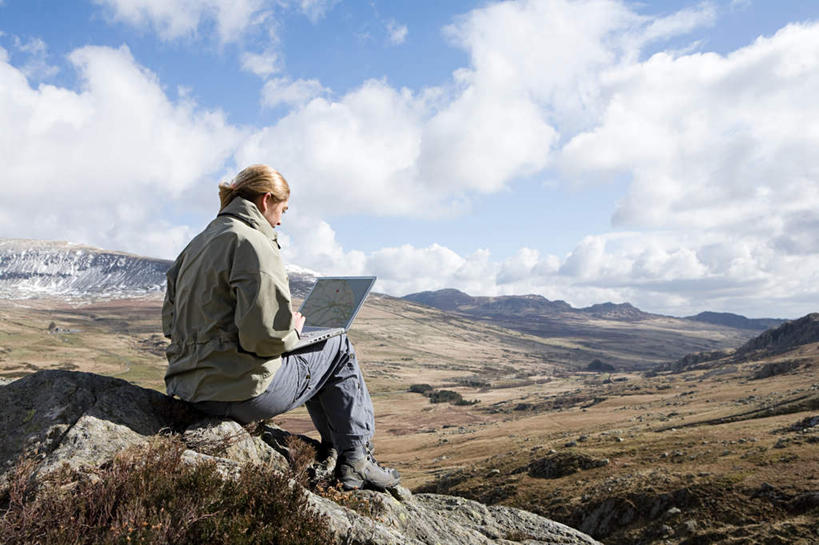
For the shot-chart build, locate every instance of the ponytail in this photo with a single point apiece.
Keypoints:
(226, 194)
(253, 181)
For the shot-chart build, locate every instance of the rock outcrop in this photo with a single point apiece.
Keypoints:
(787, 336)
(83, 419)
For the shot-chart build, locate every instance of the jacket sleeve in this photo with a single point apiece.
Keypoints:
(263, 315)
(168, 309)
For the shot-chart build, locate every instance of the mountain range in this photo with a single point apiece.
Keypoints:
(33, 268)
(507, 306)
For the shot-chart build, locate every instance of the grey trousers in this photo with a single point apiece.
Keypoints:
(327, 379)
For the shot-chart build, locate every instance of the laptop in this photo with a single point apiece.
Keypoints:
(331, 306)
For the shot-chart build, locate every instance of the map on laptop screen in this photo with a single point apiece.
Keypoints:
(334, 302)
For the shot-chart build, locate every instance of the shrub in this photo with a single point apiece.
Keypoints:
(420, 388)
(445, 396)
(301, 457)
(148, 495)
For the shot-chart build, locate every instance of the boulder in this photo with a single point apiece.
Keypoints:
(83, 419)
(561, 464)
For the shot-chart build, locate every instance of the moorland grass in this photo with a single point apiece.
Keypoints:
(149, 495)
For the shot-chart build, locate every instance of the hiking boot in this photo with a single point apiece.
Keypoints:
(359, 469)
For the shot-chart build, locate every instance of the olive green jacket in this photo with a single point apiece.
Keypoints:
(227, 309)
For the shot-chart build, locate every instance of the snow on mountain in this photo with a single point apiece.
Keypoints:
(36, 268)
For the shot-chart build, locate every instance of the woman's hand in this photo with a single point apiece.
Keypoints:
(298, 321)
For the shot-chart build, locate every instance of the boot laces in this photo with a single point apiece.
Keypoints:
(371, 457)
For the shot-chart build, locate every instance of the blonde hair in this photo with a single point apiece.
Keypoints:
(253, 181)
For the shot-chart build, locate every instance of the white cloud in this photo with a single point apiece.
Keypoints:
(712, 141)
(662, 272)
(717, 148)
(292, 93)
(317, 248)
(719, 151)
(316, 9)
(396, 32)
(262, 64)
(173, 19)
(232, 20)
(740, 4)
(36, 65)
(98, 164)
(678, 23)
(354, 155)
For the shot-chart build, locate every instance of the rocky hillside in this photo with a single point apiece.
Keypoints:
(736, 320)
(787, 336)
(791, 335)
(85, 420)
(35, 268)
(612, 311)
(31, 268)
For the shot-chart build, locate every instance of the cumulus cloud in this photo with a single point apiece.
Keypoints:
(383, 150)
(396, 32)
(351, 155)
(97, 164)
(36, 65)
(662, 272)
(718, 151)
(173, 19)
(316, 9)
(291, 93)
(262, 64)
(740, 4)
(251, 24)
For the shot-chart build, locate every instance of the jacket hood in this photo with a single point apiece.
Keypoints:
(246, 211)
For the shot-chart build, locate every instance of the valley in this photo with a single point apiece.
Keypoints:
(700, 453)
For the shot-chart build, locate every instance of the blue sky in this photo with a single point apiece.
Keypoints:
(598, 150)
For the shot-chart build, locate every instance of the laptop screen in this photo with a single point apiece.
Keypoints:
(334, 301)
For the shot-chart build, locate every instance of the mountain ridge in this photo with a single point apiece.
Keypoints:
(790, 335)
(36, 268)
(451, 299)
(735, 320)
(32, 268)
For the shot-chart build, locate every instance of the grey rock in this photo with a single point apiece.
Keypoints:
(228, 469)
(687, 528)
(228, 439)
(559, 465)
(400, 493)
(608, 515)
(79, 418)
(434, 519)
(84, 419)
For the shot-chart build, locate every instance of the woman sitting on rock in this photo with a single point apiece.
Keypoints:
(228, 315)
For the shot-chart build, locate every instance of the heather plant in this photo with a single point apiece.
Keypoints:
(301, 456)
(150, 496)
